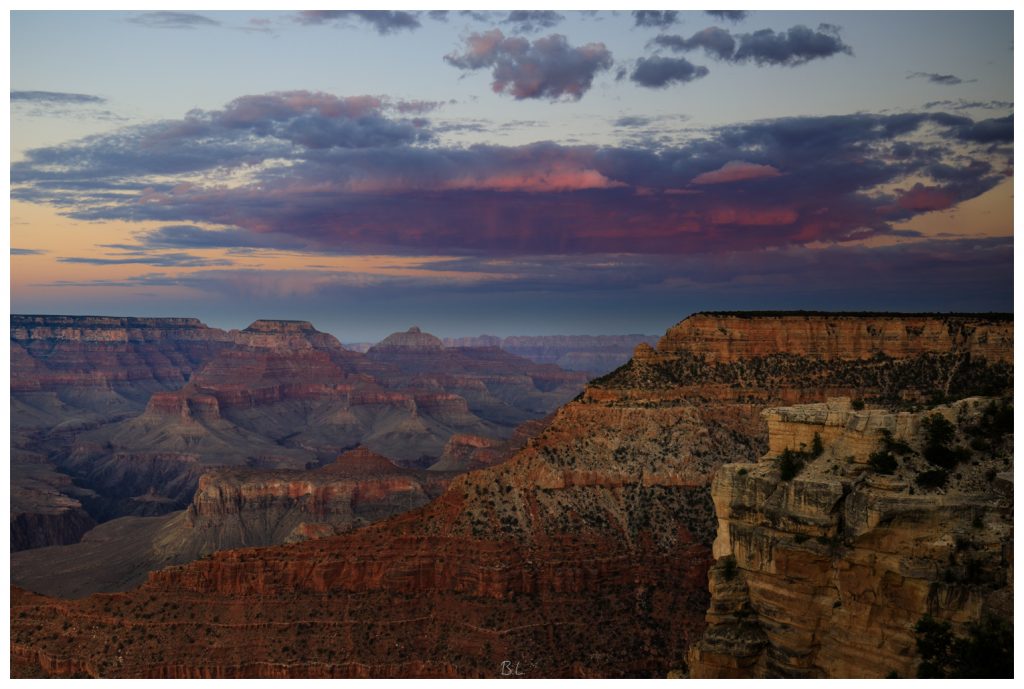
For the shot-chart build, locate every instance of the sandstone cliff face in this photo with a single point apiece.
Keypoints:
(826, 574)
(731, 337)
(586, 554)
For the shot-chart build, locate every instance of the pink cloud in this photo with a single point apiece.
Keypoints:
(752, 216)
(736, 171)
(921, 198)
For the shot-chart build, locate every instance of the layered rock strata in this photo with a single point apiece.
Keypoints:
(232, 508)
(135, 410)
(826, 574)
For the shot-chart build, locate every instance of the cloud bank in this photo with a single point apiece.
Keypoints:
(314, 171)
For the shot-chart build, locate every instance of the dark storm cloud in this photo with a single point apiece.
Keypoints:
(944, 79)
(730, 15)
(992, 131)
(717, 42)
(545, 68)
(745, 187)
(658, 72)
(55, 98)
(172, 20)
(795, 46)
(179, 260)
(656, 18)
(384, 21)
(533, 20)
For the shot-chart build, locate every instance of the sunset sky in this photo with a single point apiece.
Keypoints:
(525, 173)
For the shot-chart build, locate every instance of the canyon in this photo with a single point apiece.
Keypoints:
(588, 552)
(594, 354)
(115, 417)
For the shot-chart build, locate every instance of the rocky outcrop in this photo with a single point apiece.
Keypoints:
(46, 508)
(411, 339)
(470, 452)
(233, 508)
(501, 388)
(467, 452)
(826, 574)
(63, 521)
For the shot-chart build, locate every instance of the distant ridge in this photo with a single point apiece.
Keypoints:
(991, 315)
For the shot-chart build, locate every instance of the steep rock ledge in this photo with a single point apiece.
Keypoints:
(826, 574)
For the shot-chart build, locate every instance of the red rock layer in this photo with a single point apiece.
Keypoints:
(731, 337)
(53, 352)
(379, 605)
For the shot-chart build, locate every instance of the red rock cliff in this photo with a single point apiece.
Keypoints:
(730, 337)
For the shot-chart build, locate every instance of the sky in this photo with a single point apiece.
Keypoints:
(526, 172)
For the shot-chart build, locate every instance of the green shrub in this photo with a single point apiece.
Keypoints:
(939, 433)
(985, 653)
(729, 567)
(883, 462)
(936, 478)
(944, 457)
(857, 404)
(790, 464)
(896, 447)
(816, 446)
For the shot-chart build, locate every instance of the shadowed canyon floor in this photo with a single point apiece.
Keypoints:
(585, 555)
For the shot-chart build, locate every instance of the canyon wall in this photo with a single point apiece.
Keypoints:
(827, 573)
(232, 508)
